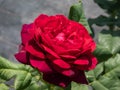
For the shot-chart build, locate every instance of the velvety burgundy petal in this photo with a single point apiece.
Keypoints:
(52, 23)
(93, 64)
(57, 79)
(92, 45)
(80, 77)
(82, 61)
(21, 57)
(41, 21)
(69, 72)
(59, 49)
(62, 64)
(42, 38)
(63, 19)
(34, 49)
(68, 57)
(89, 43)
(40, 64)
(48, 50)
(56, 24)
(73, 52)
(66, 71)
(63, 22)
(27, 33)
(46, 40)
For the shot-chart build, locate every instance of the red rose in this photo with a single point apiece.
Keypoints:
(59, 48)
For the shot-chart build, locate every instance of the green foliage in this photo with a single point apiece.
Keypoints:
(108, 40)
(4, 87)
(112, 8)
(76, 86)
(25, 77)
(23, 74)
(106, 75)
(108, 44)
(103, 20)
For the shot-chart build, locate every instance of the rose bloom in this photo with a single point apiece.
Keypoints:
(59, 48)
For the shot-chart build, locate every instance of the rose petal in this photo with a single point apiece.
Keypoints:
(48, 50)
(89, 43)
(91, 65)
(80, 77)
(57, 79)
(68, 73)
(27, 33)
(57, 47)
(73, 52)
(52, 23)
(81, 61)
(68, 57)
(21, 57)
(40, 64)
(41, 21)
(64, 70)
(56, 24)
(43, 38)
(34, 49)
(62, 64)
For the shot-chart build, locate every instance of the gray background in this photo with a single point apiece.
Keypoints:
(14, 13)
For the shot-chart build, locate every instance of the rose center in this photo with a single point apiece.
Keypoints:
(60, 37)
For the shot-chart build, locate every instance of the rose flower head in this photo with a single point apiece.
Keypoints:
(59, 48)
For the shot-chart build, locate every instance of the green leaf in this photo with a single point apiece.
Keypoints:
(102, 53)
(110, 40)
(76, 86)
(112, 66)
(57, 88)
(108, 44)
(105, 83)
(117, 23)
(106, 75)
(4, 87)
(94, 74)
(98, 86)
(40, 85)
(34, 86)
(23, 73)
(106, 4)
(26, 78)
(23, 80)
(77, 14)
(102, 21)
(2, 80)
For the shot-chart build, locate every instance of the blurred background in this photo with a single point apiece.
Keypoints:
(14, 13)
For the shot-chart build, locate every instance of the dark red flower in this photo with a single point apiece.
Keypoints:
(59, 48)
